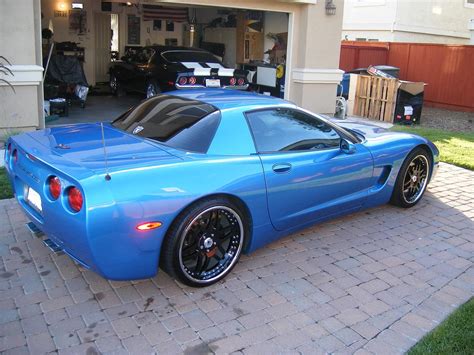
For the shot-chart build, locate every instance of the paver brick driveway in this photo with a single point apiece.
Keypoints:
(375, 281)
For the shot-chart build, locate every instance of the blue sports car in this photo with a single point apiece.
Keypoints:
(189, 180)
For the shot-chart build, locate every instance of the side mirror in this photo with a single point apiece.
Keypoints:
(347, 147)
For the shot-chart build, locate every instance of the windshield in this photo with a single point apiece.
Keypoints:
(189, 56)
(181, 123)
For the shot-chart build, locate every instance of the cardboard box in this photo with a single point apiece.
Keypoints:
(409, 103)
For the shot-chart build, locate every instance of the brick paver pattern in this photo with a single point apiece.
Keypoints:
(372, 282)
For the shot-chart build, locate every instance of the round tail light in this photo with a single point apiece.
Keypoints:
(233, 81)
(241, 81)
(54, 187)
(74, 197)
(183, 80)
(15, 155)
(192, 80)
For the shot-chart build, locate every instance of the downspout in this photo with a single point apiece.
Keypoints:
(394, 22)
(39, 60)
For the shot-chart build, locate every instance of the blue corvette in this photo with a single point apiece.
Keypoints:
(190, 180)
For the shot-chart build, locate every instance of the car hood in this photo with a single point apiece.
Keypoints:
(378, 136)
(368, 130)
(83, 145)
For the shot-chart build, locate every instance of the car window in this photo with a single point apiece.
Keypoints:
(138, 55)
(189, 56)
(279, 130)
(132, 54)
(181, 123)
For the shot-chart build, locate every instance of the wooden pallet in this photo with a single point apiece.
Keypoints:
(375, 97)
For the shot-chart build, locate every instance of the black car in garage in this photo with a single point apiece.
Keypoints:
(155, 69)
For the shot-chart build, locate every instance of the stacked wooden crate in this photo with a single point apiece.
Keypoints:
(373, 97)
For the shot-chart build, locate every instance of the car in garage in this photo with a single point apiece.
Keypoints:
(190, 180)
(156, 69)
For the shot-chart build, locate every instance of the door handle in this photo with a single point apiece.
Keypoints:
(281, 168)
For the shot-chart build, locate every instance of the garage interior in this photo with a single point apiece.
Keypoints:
(96, 33)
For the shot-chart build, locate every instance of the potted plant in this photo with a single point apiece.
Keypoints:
(5, 71)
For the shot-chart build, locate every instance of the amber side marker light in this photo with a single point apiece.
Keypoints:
(148, 226)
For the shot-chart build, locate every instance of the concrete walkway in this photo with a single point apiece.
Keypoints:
(372, 282)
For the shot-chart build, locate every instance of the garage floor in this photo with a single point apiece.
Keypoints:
(374, 281)
(109, 107)
(98, 108)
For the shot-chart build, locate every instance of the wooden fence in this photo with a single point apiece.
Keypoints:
(447, 69)
(362, 54)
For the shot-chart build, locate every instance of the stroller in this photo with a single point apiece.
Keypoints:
(65, 79)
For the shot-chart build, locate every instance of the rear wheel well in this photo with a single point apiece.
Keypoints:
(235, 200)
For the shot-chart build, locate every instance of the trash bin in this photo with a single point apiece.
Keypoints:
(392, 71)
(343, 87)
(409, 103)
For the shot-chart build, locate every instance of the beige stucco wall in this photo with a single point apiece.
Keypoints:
(438, 18)
(314, 71)
(19, 35)
(18, 110)
(369, 19)
(424, 21)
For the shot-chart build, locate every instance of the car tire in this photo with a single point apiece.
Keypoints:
(204, 242)
(412, 179)
(115, 86)
(152, 89)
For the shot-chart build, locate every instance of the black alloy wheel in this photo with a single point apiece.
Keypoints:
(152, 89)
(416, 178)
(412, 179)
(206, 244)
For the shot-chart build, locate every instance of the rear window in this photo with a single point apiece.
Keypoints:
(189, 56)
(180, 123)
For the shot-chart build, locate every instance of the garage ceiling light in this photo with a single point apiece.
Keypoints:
(77, 5)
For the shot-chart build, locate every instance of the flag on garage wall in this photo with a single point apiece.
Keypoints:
(176, 14)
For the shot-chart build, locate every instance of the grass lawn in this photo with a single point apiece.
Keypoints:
(455, 147)
(453, 336)
(5, 189)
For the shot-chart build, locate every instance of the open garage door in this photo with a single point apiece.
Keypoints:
(250, 48)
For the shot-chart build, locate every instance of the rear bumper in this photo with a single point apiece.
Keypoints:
(102, 236)
(235, 87)
(119, 260)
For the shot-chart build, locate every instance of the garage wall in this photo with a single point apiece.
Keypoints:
(62, 32)
(148, 35)
(204, 15)
(273, 22)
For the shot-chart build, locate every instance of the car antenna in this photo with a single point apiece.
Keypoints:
(107, 176)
